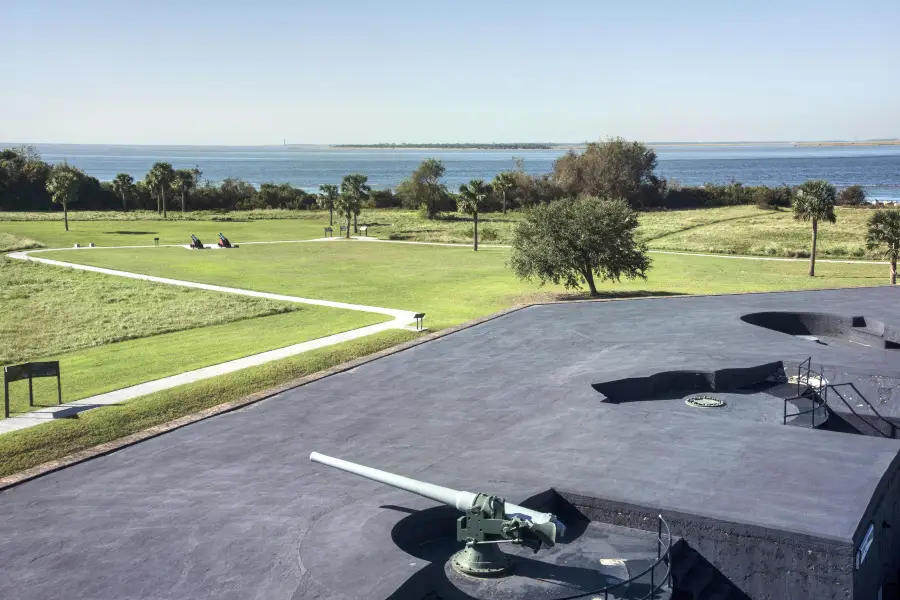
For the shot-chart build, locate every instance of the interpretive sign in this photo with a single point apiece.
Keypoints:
(29, 371)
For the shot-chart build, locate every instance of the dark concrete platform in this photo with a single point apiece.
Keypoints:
(231, 508)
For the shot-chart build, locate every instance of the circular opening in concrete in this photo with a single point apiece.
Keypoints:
(704, 402)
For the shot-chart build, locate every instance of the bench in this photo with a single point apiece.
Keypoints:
(364, 229)
(329, 231)
(344, 229)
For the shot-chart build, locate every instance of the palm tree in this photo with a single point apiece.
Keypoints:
(328, 194)
(472, 198)
(62, 184)
(354, 191)
(814, 201)
(122, 184)
(159, 179)
(504, 182)
(183, 182)
(884, 230)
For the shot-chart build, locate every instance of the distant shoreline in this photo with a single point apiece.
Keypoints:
(564, 146)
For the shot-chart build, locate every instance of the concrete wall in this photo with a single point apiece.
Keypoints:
(763, 563)
(882, 561)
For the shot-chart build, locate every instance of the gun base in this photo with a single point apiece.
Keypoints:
(481, 560)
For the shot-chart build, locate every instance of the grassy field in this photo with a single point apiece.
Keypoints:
(52, 310)
(10, 242)
(451, 285)
(728, 230)
(52, 234)
(110, 332)
(29, 447)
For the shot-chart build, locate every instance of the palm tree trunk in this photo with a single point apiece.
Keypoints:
(331, 216)
(66, 214)
(503, 196)
(812, 254)
(124, 203)
(589, 277)
(162, 194)
(158, 207)
(348, 227)
(893, 271)
(182, 201)
(476, 230)
(355, 228)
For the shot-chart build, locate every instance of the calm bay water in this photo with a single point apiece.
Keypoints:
(875, 167)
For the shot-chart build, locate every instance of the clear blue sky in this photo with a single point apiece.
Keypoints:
(335, 71)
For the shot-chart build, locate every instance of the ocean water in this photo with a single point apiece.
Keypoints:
(877, 168)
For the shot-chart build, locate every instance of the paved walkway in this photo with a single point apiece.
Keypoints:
(400, 319)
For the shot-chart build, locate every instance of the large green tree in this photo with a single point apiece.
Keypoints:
(571, 242)
(354, 192)
(615, 168)
(884, 231)
(814, 202)
(62, 184)
(473, 198)
(160, 179)
(502, 184)
(183, 181)
(423, 189)
(123, 185)
(328, 195)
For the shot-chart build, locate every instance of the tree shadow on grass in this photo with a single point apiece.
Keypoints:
(129, 232)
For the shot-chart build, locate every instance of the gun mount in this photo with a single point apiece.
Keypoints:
(488, 520)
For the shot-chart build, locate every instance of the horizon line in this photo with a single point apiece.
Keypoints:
(6, 144)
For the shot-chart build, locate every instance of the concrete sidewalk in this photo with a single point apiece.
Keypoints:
(400, 319)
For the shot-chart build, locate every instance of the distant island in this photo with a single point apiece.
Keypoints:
(576, 146)
(457, 146)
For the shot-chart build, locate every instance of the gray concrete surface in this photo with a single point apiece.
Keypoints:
(231, 507)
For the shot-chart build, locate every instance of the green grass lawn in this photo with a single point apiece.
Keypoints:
(110, 332)
(114, 366)
(10, 242)
(451, 285)
(141, 232)
(51, 310)
(727, 230)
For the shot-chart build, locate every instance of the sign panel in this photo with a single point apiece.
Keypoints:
(865, 545)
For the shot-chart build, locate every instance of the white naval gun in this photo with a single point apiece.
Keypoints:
(488, 520)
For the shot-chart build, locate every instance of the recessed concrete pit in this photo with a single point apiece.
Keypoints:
(827, 328)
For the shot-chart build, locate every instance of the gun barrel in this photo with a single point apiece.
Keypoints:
(459, 499)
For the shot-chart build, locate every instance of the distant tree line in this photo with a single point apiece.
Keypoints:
(614, 168)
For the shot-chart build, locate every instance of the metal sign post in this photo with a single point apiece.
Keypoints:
(29, 371)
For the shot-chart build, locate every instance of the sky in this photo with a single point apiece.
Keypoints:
(228, 72)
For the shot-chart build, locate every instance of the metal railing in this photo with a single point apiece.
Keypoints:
(815, 397)
(818, 404)
(891, 427)
(654, 586)
(819, 397)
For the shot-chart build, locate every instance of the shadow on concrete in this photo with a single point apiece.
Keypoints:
(861, 330)
(672, 383)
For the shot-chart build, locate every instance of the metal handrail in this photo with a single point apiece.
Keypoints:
(818, 403)
(660, 557)
(858, 416)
